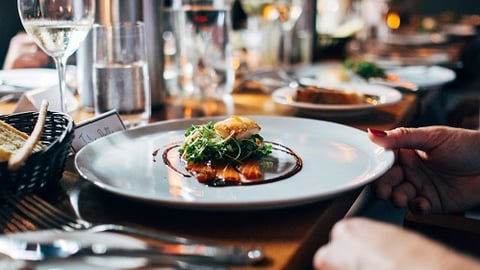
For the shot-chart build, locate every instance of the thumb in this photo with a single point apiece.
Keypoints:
(403, 137)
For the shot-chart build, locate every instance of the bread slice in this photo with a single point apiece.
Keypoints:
(12, 139)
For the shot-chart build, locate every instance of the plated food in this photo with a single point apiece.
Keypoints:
(357, 70)
(342, 99)
(330, 95)
(336, 159)
(364, 69)
(227, 152)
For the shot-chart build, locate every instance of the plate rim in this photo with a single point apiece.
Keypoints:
(230, 206)
(449, 73)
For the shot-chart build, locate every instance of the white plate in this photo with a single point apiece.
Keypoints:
(386, 95)
(336, 159)
(425, 77)
(416, 39)
(29, 78)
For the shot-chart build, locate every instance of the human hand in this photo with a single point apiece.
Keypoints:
(359, 243)
(437, 168)
(24, 53)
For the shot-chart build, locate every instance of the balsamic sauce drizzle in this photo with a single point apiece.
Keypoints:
(275, 147)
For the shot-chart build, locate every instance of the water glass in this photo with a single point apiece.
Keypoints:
(120, 72)
(204, 55)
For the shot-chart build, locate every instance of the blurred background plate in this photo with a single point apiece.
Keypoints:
(17, 81)
(425, 77)
(386, 96)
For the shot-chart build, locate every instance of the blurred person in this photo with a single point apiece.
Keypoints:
(17, 50)
(24, 53)
(436, 170)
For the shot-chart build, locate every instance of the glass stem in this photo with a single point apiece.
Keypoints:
(253, 23)
(287, 49)
(61, 65)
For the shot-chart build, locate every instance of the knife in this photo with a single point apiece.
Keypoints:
(20, 249)
(399, 85)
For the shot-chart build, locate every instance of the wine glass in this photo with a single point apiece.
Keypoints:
(260, 14)
(288, 13)
(58, 27)
(205, 52)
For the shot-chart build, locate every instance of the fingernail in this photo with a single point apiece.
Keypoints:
(377, 132)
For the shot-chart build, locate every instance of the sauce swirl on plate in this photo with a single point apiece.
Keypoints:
(230, 153)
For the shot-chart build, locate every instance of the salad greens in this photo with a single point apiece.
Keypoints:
(204, 144)
(364, 68)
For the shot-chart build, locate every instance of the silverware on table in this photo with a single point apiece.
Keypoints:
(21, 249)
(399, 85)
(29, 213)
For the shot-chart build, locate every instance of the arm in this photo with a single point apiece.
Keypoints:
(359, 243)
(24, 53)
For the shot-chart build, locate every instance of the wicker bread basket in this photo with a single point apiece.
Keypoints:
(43, 166)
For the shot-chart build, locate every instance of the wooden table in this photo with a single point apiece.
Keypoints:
(386, 117)
(289, 236)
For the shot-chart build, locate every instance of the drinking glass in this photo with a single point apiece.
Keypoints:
(260, 36)
(288, 13)
(58, 27)
(204, 57)
(120, 72)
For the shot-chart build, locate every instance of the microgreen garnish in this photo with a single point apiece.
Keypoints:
(203, 144)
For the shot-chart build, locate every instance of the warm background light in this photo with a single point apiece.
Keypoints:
(270, 12)
(393, 20)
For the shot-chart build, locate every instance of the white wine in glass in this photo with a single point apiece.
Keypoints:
(58, 27)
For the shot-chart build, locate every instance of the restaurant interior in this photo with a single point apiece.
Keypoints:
(122, 194)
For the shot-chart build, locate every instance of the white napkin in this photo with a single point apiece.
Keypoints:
(31, 100)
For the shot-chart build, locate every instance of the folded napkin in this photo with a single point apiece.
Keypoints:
(31, 100)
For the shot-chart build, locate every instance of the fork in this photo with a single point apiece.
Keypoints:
(32, 213)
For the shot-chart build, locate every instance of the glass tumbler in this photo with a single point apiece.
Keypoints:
(120, 72)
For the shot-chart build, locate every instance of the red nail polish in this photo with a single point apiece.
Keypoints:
(377, 132)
